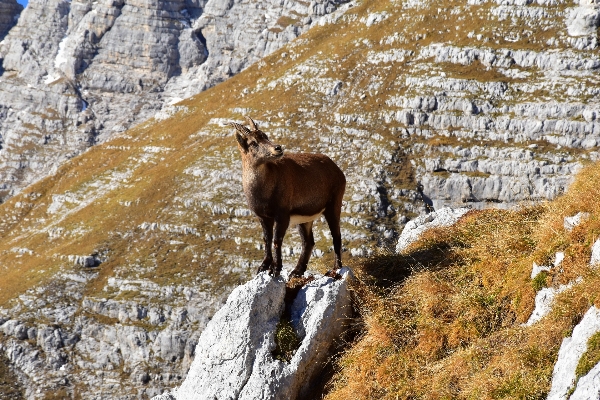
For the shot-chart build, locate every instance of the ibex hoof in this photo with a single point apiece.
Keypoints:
(275, 272)
(263, 268)
(296, 273)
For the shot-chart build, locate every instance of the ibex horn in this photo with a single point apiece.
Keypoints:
(251, 123)
(240, 128)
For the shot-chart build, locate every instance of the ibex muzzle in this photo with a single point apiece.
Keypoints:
(295, 188)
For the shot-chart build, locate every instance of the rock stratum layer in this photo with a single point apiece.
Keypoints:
(73, 73)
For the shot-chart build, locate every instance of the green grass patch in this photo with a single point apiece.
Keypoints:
(540, 281)
(286, 340)
(590, 358)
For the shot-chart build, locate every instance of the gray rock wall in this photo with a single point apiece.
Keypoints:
(74, 73)
(56, 338)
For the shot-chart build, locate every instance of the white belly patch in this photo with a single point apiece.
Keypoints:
(300, 219)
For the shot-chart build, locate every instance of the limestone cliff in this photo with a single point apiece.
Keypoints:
(76, 72)
(234, 356)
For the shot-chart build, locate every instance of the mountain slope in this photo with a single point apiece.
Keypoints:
(455, 320)
(74, 73)
(127, 250)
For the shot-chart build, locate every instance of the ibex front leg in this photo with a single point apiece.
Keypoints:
(308, 242)
(281, 225)
(267, 226)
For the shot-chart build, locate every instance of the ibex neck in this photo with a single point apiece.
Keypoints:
(253, 174)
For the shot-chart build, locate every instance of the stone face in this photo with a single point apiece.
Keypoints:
(572, 222)
(414, 229)
(75, 73)
(543, 302)
(585, 19)
(144, 338)
(31, 52)
(234, 354)
(571, 350)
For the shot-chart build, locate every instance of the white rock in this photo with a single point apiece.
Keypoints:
(233, 357)
(583, 21)
(164, 396)
(558, 258)
(571, 350)
(595, 260)
(415, 228)
(572, 222)
(537, 269)
(543, 301)
(588, 386)
(374, 18)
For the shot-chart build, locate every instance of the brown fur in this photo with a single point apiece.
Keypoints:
(279, 186)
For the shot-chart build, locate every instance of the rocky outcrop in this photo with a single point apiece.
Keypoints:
(74, 73)
(414, 229)
(585, 19)
(595, 260)
(105, 347)
(564, 382)
(234, 353)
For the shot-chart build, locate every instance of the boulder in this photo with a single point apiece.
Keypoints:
(415, 228)
(588, 386)
(583, 20)
(543, 301)
(575, 220)
(234, 356)
(571, 350)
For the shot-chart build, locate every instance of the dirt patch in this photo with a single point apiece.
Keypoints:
(10, 388)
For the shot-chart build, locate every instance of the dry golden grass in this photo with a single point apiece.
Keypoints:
(443, 320)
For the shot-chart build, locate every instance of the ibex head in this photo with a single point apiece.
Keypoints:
(254, 143)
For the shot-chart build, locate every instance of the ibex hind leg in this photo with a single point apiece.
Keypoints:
(308, 242)
(332, 216)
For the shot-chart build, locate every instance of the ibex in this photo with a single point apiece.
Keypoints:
(290, 189)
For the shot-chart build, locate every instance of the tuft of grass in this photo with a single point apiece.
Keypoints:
(58, 394)
(540, 281)
(590, 358)
(286, 340)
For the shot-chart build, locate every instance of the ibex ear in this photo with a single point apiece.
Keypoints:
(242, 141)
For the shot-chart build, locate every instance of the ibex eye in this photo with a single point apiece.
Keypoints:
(253, 144)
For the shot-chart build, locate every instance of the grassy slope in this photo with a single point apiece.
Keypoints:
(452, 329)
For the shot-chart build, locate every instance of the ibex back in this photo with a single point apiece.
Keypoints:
(295, 188)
